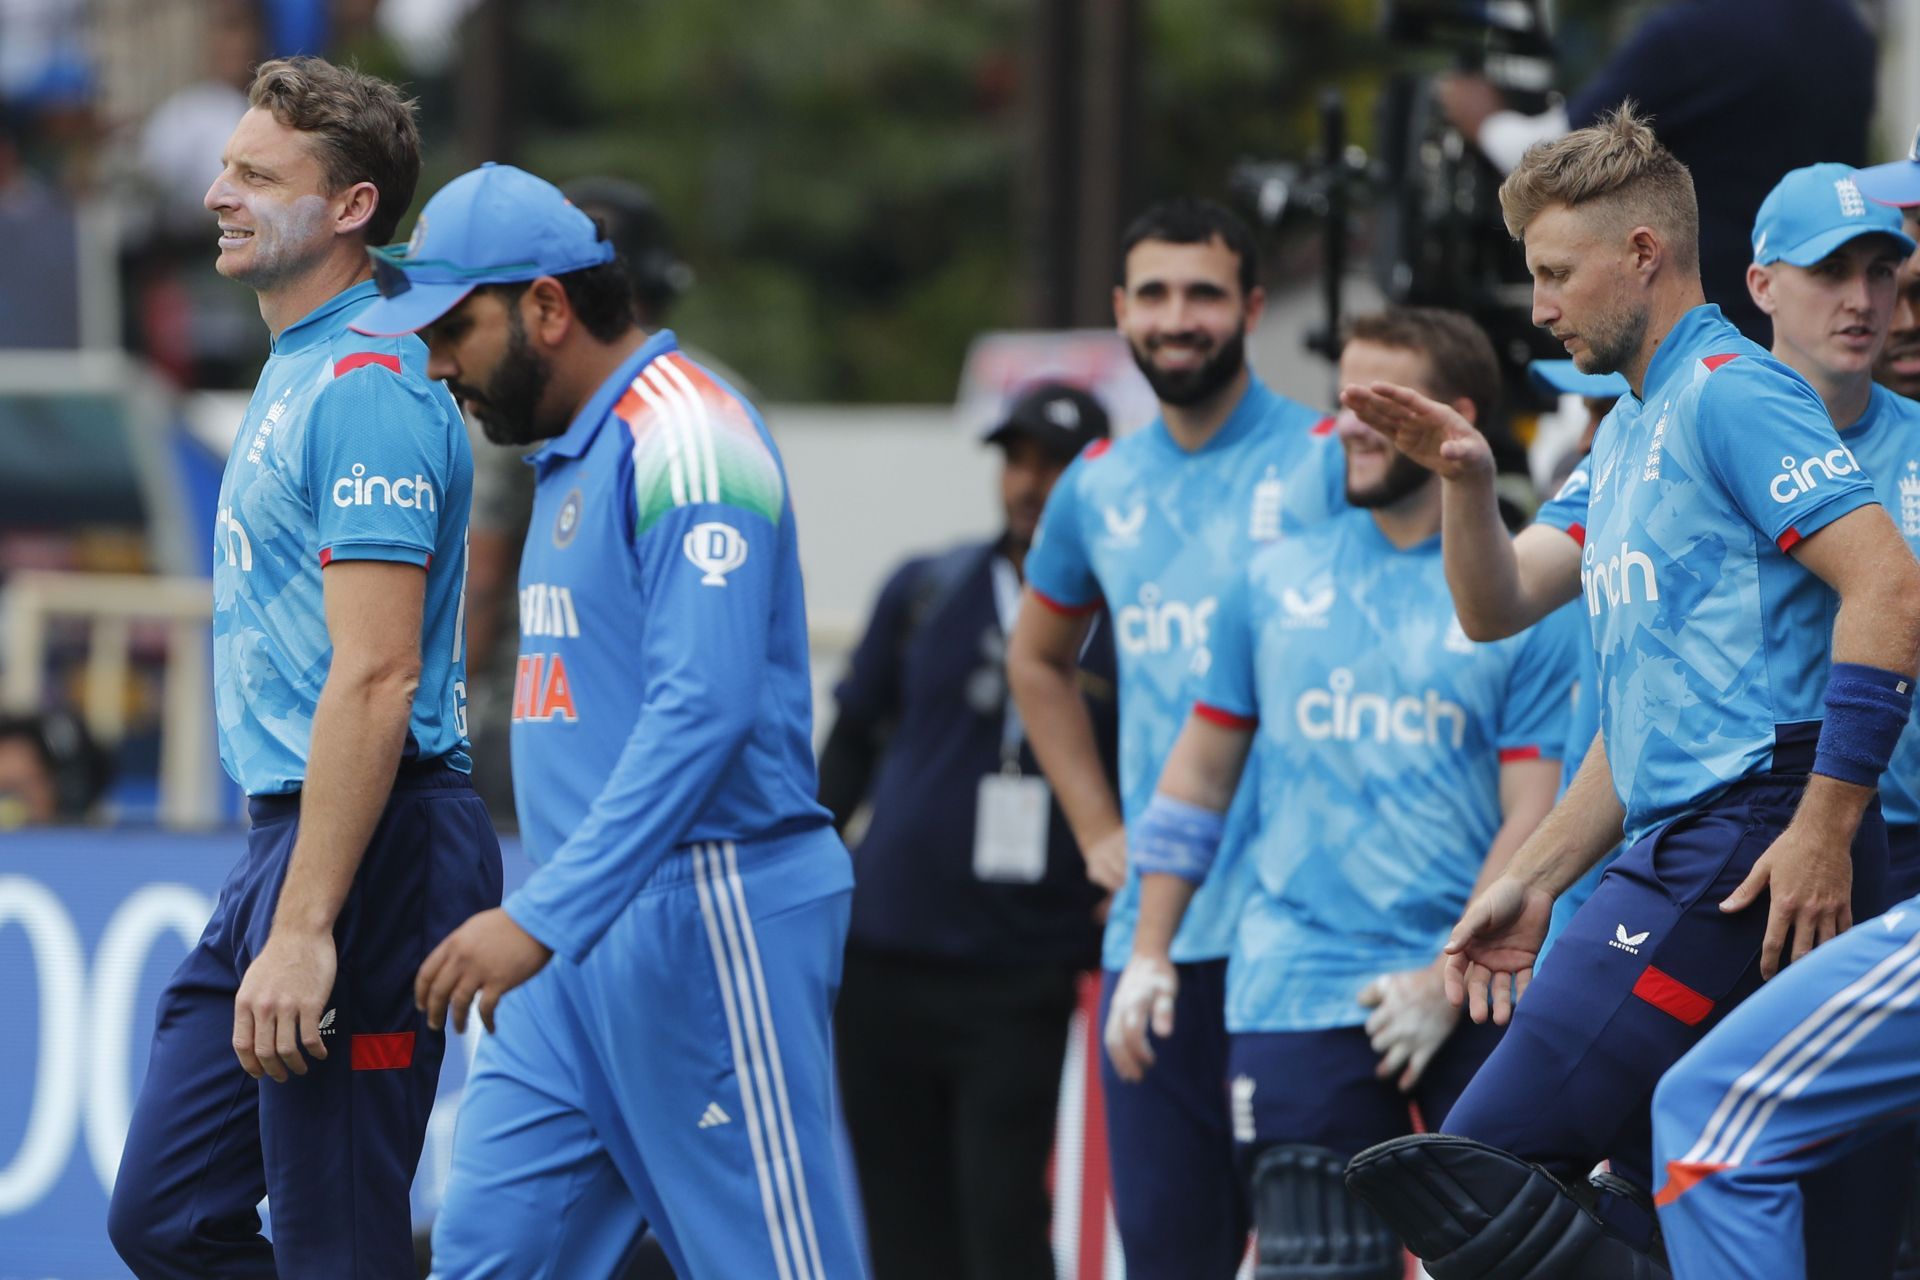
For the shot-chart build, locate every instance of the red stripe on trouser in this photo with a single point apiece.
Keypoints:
(1095, 1184)
(1670, 995)
(388, 1052)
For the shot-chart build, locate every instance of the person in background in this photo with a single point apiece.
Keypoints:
(972, 911)
(1712, 75)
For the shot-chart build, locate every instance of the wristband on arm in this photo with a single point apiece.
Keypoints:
(1175, 838)
(1867, 709)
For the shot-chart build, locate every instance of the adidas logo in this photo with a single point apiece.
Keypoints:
(326, 1022)
(1627, 942)
(713, 1115)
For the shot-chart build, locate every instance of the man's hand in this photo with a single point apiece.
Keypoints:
(1432, 434)
(1467, 100)
(1811, 879)
(1143, 998)
(1107, 860)
(489, 956)
(1411, 1019)
(280, 1003)
(1491, 953)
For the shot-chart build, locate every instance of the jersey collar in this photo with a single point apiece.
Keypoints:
(315, 327)
(573, 442)
(1251, 409)
(1701, 331)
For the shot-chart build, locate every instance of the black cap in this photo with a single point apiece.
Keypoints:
(1061, 417)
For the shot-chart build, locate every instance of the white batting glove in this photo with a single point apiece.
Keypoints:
(1411, 1019)
(1142, 999)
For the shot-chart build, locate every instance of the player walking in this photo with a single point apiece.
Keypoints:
(1159, 526)
(1396, 766)
(339, 557)
(1727, 558)
(673, 961)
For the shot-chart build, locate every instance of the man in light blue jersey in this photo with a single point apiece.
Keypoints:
(339, 563)
(1395, 765)
(1757, 621)
(1158, 526)
(1820, 1063)
(661, 1054)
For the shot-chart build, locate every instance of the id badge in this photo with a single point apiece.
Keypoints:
(1010, 829)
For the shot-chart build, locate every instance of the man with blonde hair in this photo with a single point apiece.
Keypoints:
(1734, 565)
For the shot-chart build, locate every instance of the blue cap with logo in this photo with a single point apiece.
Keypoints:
(1813, 211)
(1897, 182)
(1563, 377)
(494, 225)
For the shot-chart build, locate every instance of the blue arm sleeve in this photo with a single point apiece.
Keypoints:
(1538, 709)
(378, 459)
(1566, 510)
(1768, 440)
(701, 651)
(1228, 687)
(1057, 568)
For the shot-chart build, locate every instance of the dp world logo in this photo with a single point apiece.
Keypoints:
(716, 550)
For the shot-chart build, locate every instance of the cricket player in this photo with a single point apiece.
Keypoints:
(1158, 526)
(1822, 1060)
(661, 1056)
(1757, 620)
(1396, 766)
(339, 560)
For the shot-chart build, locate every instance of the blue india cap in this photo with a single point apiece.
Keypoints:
(493, 225)
(1563, 377)
(1814, 210)
(1897, 182)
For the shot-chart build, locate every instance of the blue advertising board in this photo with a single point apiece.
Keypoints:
(92, 923)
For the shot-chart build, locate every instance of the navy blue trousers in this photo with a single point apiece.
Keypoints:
(1646, 968)
(333, 1150)
(1177, 1200)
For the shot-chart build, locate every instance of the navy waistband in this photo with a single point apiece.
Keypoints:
(414, 775)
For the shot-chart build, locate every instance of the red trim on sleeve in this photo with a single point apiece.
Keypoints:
(1063, 608)
(1510, 754)
(1671, 996)
(1097, 448)
(390, 1052)
(1225, 719)
(1790, 539)
(326, 556)
(1578, 532)
(1714, 362)
(1324, 427)
(361, 359)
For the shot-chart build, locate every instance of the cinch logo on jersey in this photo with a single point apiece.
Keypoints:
(1798, 477)
(359, 490)
(1155, 627)
(1611, 580)
(230, 540)
(1339, 713)
(541, 690)
(547, 610)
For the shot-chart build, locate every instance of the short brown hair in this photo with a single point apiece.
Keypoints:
(1459, 356)
(1614, 167)
(362, 128)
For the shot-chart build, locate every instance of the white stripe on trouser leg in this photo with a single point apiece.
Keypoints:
(778, 1145)
(1730, 1118)
(676, 469)
(701, 417)
(1823, 1052)
(703, 883)
(773, 1056)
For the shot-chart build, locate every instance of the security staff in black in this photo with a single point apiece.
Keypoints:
(972, 911)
